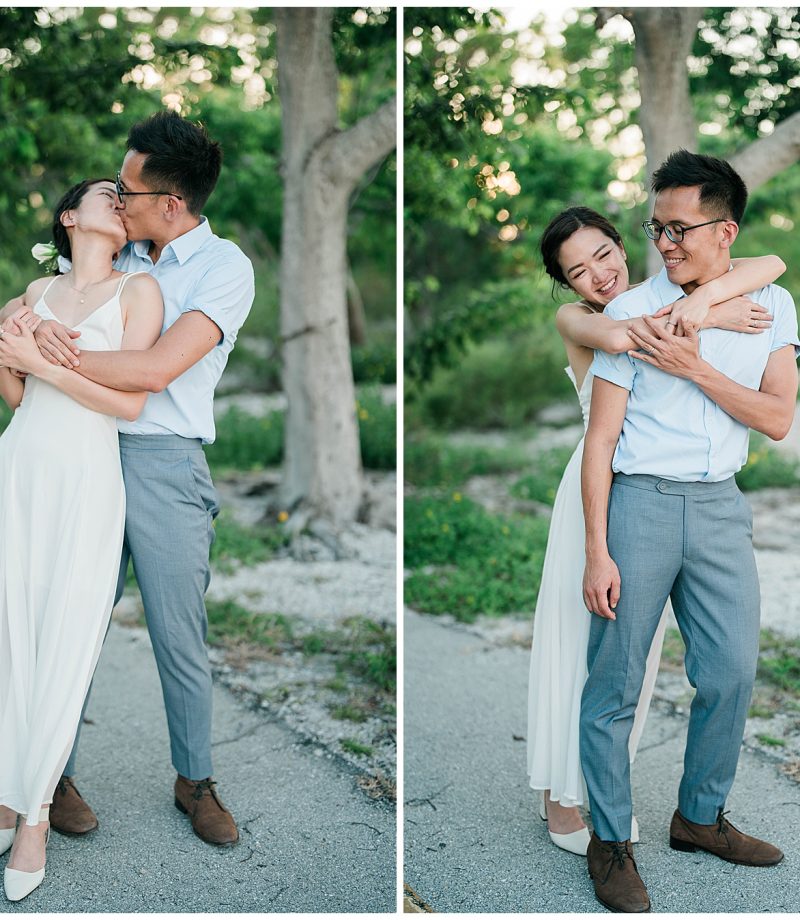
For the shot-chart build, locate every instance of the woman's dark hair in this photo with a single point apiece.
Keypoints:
(69, 200)
(180, 157)
(561, 228)
(722, 190)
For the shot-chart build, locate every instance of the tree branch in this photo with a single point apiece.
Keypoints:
(766, 157)
(351, 153)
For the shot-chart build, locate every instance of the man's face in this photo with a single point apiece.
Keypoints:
(703, 253)
(138, 212)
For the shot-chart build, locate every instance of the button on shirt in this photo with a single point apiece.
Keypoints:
(671, 428)
(196, 271)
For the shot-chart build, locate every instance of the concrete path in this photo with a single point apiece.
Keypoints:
(310, 839)
(473, 839)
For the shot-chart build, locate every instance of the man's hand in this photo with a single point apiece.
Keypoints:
(601, 585)
(674, 354)
(55, 343)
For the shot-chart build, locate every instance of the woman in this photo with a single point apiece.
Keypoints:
(63, 503)
(583, 251)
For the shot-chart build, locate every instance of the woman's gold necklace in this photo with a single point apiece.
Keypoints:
(91, 284)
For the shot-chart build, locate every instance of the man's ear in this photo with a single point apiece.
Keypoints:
(730, 230)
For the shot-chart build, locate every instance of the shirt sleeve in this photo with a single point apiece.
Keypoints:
(618, 369)
(224, 294)
(784, 325)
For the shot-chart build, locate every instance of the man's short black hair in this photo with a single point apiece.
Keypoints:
(181, 157)
(722, 190)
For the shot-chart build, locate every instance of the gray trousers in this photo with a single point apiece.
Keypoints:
(171, 506)
(691, 542)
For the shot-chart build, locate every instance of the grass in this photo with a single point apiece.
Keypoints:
(231, 624)
(363, 648)
(541, 484)
(235, 545)
(779, 662)
(431, 461)
(468, 561)
(355, 747)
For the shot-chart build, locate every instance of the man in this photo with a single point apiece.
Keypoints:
(168, 173)
(671, 421)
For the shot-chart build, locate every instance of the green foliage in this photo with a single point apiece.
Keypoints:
(767, 468)
(246, 442)
(474, 562)
(541, 484)
(432, 461)
(375, 362)
(501, 383)
(377, 425)
(504, 129)
(72, 84)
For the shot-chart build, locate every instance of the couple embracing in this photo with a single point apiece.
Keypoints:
(670, 386)
(110, 369)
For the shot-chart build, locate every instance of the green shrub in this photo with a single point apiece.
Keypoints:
(375, 363)
(377, 425)
(498, 384)
(474, 562)
(767, 468)
(234, 543)
(247, 442)
(431, 461)
(541, 484)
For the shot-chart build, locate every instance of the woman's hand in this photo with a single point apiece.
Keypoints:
(692, 310)
(740, 314)
(18, 348)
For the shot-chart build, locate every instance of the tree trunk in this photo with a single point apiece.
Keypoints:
(664, 38)
(760, 160)
(321, 166)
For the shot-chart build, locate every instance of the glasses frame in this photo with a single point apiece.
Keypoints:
(649, 227)
(122, 194)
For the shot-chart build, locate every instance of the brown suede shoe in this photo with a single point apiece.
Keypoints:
(616, 879)
(69, 814)
(723, 840)
(211, 820)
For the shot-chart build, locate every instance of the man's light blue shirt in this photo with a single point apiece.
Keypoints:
(671, 428)
(196, 271)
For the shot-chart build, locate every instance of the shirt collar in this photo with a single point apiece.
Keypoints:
(667, 290)
(183, 247)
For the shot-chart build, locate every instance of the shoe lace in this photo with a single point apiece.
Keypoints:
(202, 786)
(723, 825)
(619, 853)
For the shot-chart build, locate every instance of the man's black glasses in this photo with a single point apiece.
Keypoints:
(675, 232)
(121, 193)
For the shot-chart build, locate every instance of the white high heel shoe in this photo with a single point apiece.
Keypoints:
(577, 842)
(19, 884)
(7, 835)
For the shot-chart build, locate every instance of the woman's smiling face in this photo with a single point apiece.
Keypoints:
(594, 266)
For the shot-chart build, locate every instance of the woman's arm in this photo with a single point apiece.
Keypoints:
(746, 275)
(143, 312)
(11, 388)
(580, 325)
